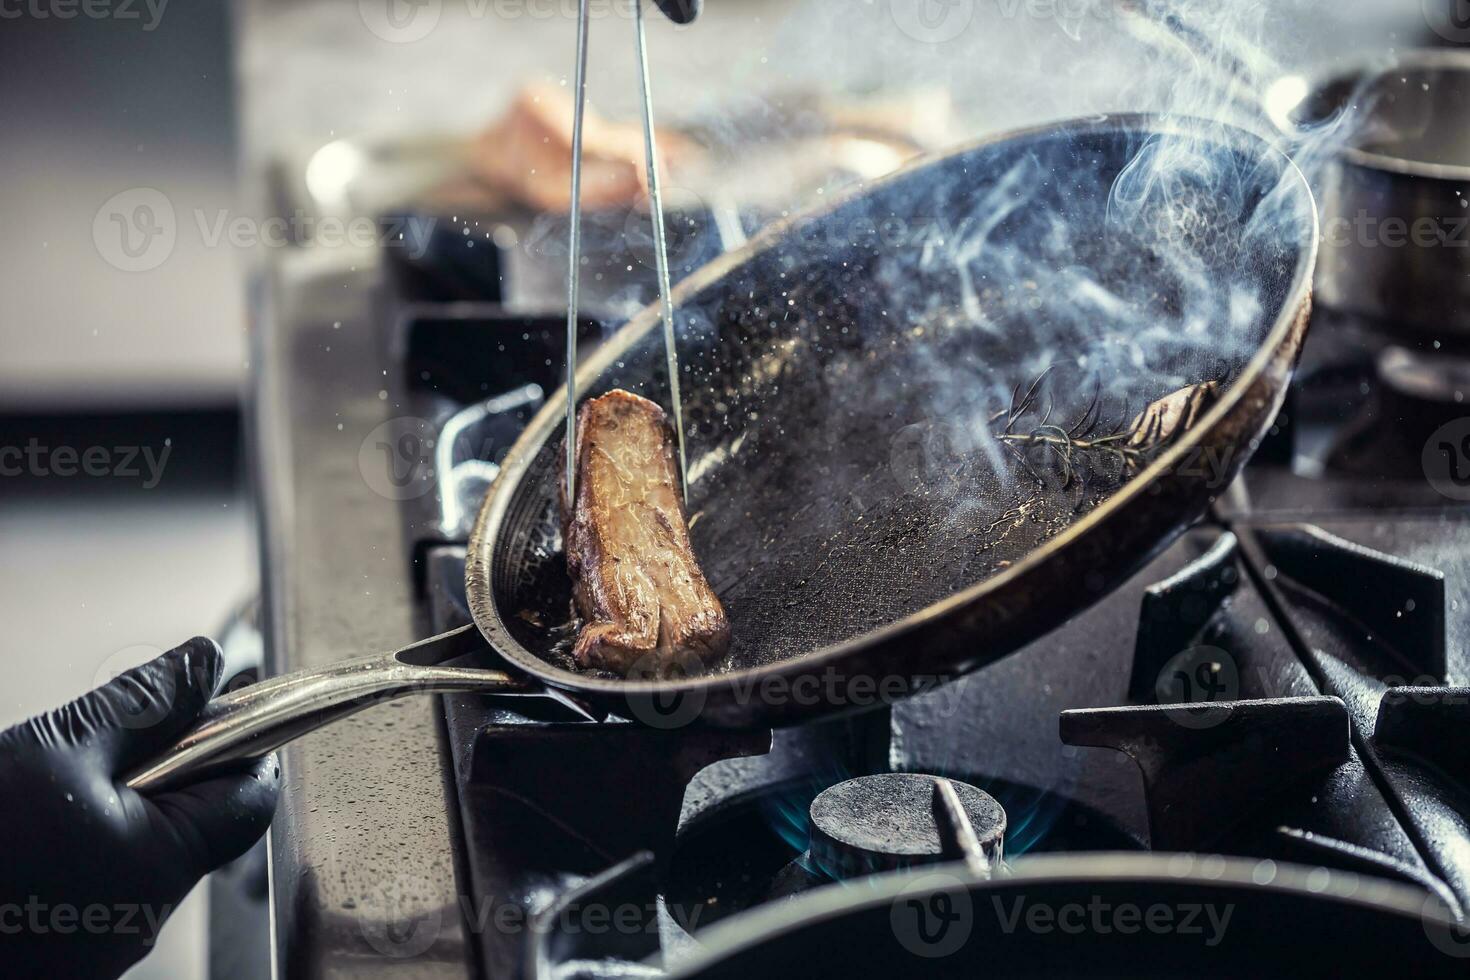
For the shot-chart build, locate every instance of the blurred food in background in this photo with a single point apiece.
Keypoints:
(527, 154)
(766, 153)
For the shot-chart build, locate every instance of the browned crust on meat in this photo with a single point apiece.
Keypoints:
(636, 581)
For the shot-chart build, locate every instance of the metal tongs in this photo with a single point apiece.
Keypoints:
(681, 12)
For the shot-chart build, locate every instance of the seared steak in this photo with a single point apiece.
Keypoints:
(635, 579)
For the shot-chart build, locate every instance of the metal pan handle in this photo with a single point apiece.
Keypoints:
(254, 720)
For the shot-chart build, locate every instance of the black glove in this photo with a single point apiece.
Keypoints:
(89, 869)
(680, 11)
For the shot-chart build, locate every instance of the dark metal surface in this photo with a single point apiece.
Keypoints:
(1284, 921)
(681, 11)
(888, 820)
(1173, 614)
(1399, 603)
(557, 938)
(908, 579)
(1089, 661)
(1350, 662)
(1427, 723)
(1253, 752)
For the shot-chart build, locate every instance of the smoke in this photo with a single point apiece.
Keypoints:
(855, 393)
(1179, 282)
(1117, 262)
(989, 65)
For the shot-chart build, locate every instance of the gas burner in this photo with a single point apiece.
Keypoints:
(896, 820)
(754, 850)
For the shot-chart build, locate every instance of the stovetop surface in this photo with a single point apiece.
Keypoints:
(1335, 568)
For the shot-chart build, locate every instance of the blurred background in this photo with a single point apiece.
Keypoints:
(145, 152)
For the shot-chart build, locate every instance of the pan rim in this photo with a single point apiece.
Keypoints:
(488, 521)
(733, 936)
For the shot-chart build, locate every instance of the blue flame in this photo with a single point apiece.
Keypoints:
(1030, 815)
(789, 813)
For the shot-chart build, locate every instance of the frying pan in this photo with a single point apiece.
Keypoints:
(849, 376)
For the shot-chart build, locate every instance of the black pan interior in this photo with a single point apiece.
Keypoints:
(841, 383)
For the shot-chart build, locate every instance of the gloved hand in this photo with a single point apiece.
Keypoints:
(680, 11)
(89, 869)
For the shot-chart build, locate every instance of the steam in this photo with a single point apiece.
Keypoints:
(1125, 282)
(863, 358)
(1180, 288)
(1176, 284)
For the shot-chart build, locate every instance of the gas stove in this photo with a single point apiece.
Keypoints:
(1248, 754)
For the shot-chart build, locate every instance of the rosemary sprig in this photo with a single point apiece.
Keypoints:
(1084, 447)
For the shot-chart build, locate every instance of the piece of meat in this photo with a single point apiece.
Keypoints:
(635, 579)
(528, 154)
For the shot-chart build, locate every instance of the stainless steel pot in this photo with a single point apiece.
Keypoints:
(1395, 201)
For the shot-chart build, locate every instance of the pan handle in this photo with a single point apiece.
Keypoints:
(254, 720)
